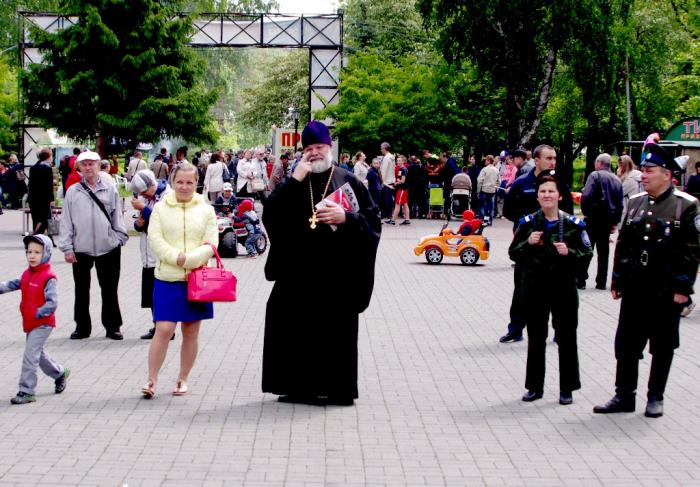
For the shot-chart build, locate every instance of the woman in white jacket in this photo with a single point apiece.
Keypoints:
(247, 172)
(214, 177)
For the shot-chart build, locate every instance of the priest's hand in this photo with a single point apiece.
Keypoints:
(332, 214)
(302, 170)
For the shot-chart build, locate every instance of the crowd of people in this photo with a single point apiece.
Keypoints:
(311, 201)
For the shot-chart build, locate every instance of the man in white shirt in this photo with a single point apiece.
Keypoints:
(487, 182)
(387, 170)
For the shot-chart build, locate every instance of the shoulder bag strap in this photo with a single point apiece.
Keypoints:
(97, 201)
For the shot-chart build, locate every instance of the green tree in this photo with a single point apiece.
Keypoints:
(8, 106)
(102, 77)
(283, 81)
(412, 106)
(514, 44)
(390, 27)
(8, 20)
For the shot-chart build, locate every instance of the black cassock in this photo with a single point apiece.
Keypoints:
(323, 281)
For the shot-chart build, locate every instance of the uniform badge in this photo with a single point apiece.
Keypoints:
(697, 222)
(587, 241)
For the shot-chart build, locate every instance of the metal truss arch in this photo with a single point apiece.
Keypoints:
(322, 35)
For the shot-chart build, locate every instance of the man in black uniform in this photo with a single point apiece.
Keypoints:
(656, 261)
(521, 200)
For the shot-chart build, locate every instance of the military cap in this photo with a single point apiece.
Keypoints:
(658, 156)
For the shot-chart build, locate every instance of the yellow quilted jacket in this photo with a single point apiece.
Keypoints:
(177, 227)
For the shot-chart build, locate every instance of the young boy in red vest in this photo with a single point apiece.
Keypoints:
(38, 305)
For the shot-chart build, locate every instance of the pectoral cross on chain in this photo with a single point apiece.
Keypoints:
(313, 220)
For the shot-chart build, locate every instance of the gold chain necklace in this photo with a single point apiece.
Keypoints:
(314, 218)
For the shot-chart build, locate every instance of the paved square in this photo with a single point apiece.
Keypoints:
(439, 396)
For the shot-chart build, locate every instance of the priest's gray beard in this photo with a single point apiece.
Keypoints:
(323, 165)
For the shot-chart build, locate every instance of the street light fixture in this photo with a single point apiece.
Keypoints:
(294, 113)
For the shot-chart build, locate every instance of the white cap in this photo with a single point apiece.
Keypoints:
(228, 187)
(682, 162)
(88, 156)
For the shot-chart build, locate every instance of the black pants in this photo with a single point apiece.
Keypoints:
(640, 323)
(599, 234)
(387, 203)
(40, 217)
(517, 305)
(108, 268)
(628, 372)
(562, 303)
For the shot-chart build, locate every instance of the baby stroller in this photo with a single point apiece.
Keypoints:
(459, 201)
(436, 201)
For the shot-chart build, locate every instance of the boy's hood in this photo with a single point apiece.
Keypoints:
(43, 240)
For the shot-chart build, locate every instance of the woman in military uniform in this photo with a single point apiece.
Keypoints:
(551, 245)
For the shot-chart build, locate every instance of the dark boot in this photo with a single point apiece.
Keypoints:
(149, 334)
(655, 408)
(617, 405)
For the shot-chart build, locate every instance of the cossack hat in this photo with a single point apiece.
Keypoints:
(658, 156)
(315, 132)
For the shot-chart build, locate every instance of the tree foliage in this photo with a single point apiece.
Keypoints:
(514, 44)
(412, 106)
(103, 77)
(283, 81)
(8, 106)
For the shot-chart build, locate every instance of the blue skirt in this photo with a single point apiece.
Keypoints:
(170, 303)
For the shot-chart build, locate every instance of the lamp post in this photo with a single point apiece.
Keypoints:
(294, 113)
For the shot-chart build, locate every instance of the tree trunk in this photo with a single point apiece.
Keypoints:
(543, 100)
(101, 146)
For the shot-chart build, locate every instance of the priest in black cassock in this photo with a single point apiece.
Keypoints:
(322, 262)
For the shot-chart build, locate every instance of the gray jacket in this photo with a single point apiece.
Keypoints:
(85, 228)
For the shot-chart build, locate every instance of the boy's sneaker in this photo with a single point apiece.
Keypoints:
(390, 222)
(405, 222)
(23, 398)
(252, 256)
(61, 381)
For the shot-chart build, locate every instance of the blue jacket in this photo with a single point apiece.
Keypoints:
(521, 200)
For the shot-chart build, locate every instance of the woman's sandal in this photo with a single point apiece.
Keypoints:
(148, 390)
(180, 388)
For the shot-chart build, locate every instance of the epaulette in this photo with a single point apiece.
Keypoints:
(526, 219)
(643, 193)
(576, 221)
(685, 195)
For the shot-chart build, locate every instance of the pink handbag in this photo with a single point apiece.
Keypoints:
(211, 284)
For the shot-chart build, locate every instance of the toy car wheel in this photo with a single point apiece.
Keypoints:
(229, 245)
(469, 256)
(433, 255)
(261, 244)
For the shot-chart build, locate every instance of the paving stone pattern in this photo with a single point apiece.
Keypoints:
(439, 396)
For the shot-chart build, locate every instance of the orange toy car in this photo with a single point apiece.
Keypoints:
(469, 248)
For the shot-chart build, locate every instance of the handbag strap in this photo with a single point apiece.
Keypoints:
(219, 263)
(97, 201)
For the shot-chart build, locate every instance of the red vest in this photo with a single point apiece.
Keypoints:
(32, 284)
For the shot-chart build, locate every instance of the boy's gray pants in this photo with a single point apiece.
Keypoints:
(34, 356)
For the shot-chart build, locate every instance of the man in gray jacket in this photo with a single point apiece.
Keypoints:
(92, 233)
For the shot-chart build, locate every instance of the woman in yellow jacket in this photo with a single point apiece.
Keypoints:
(180, 228)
